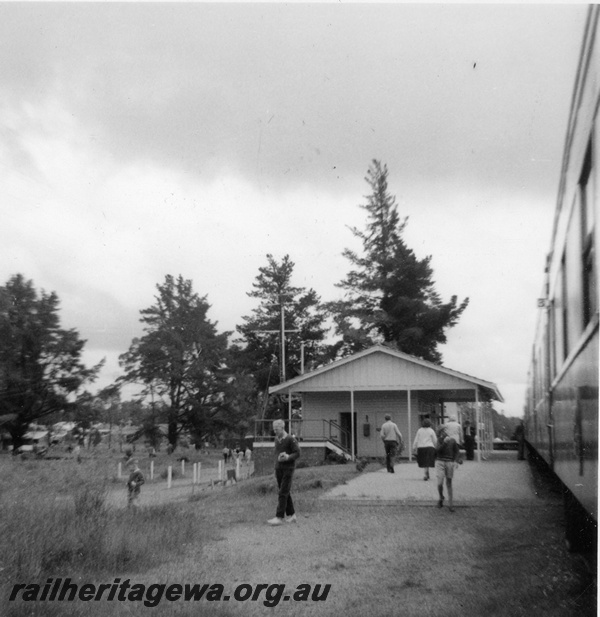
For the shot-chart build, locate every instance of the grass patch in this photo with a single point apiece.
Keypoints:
(306, 479)
(54, 518)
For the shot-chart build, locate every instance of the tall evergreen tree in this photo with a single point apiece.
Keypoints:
(390, 295)
(180, 358)
(259, 348)
(41, 371)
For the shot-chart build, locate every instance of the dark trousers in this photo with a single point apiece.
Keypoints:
(285, 505)
(390, 454)
(521, 448)
(470, 447)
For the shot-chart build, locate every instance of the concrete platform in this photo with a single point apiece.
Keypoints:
(501, 477)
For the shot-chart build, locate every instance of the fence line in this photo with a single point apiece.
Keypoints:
(219, 475)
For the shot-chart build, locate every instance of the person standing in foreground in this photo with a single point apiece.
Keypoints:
(424, 447)
(287, 452)
(447, 460)
(392, 440)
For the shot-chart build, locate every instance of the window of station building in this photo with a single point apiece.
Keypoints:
(589, 274)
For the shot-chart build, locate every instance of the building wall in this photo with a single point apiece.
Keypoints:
(263, 459)
(382, 371)
(370, 408)
(318, 406)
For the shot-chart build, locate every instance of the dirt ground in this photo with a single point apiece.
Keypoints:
(413, 561)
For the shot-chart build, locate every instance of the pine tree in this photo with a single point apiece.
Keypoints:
(259, 348)
(41, 370)
(181, 358)
(390, 295)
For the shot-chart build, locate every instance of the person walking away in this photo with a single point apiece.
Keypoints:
(225, 454)
(424, 447)
(287, 453)
(447, 460)
(453, 429)
(134, 484)
(469, 440)
(392, 440)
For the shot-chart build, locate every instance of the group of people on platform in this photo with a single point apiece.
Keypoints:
(439, 450)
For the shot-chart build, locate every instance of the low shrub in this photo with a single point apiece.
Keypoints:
(165, 472)
(333, 458)
(361, 464)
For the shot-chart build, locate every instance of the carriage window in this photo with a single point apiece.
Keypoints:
(590, 291)
(552, 341)
(564, 303)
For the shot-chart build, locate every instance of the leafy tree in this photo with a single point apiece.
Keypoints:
(180, 357)
(390, 295)
(41, 370)
(86, 411)
(240, 394)
(258, 351)
(503, 426)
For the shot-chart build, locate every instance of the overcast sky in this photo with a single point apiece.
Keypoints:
(139, 140)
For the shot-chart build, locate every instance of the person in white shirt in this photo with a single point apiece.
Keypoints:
(453, 429)
(392, 440)
(424, 447)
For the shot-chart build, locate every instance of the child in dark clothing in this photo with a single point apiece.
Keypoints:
(447, 459)
(134, 484)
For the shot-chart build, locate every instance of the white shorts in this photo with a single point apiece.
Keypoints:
(444, 469)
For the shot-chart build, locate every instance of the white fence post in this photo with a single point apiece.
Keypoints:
(237, 469)
(220, 470)
(119, 471)
(169, 476)
(151, 470)
(182, 468)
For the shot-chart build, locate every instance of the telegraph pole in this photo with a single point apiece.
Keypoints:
(281, 333)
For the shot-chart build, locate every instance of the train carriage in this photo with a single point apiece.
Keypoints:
(561, 411)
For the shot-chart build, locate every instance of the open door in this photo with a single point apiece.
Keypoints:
(346, 424)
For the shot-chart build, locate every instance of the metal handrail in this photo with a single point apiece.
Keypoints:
(330, 430)
(344, 440)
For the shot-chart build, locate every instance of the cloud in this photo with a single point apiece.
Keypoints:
(288, 94)
(145, 139)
